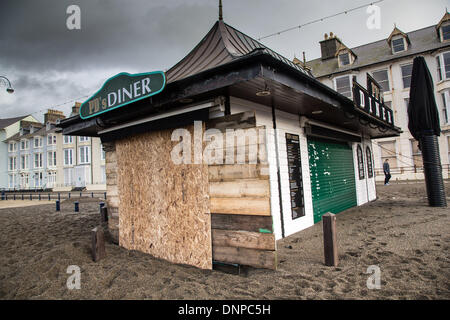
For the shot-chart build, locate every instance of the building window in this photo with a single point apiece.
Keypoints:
(11, 181)
(68, 157)
(12, 147)
(369, 162)
(37, 142)
(343, 86)
(38, 179)
(359, 154)
(406, 75)
(445, 31)
(84, 154)
(68, 176)
(398, 45)
(12, 164)
(24, 145)
(68, 139)
(51, 140)
(51, 179)
(443, 60)
(416, 154)
(103, 153)
(38, 160)
(388, 152)
(344, 59)
(51, 159)
(382, 78)
(24, 162)
(103, 174)
(446, 106)
(83, 139)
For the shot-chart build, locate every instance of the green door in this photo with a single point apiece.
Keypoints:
(332, 176)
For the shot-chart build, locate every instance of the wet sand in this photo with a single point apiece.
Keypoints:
(399, 233)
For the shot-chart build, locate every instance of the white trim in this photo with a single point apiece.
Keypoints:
(158, 116)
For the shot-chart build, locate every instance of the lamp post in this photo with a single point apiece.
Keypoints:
(5, 81)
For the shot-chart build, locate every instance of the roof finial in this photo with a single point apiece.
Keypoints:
(220, 10)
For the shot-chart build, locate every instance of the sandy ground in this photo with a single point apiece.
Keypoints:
(399, 233)
(22, 203)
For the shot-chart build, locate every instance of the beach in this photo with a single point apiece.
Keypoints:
(399, 233)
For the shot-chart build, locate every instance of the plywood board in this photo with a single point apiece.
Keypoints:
(231, 172)
(164, 207)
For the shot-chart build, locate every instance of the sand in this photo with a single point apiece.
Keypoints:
(399, 233)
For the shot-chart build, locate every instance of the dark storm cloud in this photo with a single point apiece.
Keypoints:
(129, 33)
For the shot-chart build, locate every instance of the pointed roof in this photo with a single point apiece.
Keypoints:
(445, 18)
(221, 45)
(396, 32)
(9, 121)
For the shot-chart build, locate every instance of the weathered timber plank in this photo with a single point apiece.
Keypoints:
(230, 172)
(243, 239)
(233, 121)
(249, 257)
(240, 188)
(248, 206)
(241, 222)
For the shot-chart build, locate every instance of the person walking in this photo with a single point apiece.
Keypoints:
(387, 172)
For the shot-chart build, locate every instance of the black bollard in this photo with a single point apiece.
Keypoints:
(102, 204)
(14, 196)
(3, 195)
(58, 208)
(77, 208)
(92, 194)
(69, 195)
(39, 197)
(31, 196)
(49, 197)
(22, 196)
(59, 196)
(105, 195)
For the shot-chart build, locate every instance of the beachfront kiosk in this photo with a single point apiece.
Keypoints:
(231, 149)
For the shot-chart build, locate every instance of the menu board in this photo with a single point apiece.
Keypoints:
(295, 175)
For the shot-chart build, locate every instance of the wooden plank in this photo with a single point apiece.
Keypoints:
(229, 172)
(249, 257)
(241, 222)
(329, 240)
(243, 239)
(248, 206)
(240, 188)
(233, 121)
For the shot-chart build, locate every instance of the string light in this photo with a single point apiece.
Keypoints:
(319, 20)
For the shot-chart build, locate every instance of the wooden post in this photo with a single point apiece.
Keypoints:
(58, 208)
(329, 239)
(98, 244)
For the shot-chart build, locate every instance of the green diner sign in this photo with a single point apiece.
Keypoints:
(123, 89)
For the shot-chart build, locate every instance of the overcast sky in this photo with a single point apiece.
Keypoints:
(49, 65)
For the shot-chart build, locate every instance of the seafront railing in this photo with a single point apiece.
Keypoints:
(49, 196)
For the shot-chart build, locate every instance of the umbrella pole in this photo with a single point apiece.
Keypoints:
(433, 171)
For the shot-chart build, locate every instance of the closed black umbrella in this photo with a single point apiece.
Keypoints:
(424, 127)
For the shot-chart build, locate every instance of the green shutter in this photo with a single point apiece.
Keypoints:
(332, 176)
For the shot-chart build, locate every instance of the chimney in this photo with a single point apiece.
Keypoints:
(75, 109)
(329, 46)
(53, 115)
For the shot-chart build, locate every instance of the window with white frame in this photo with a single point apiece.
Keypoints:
(68, 176)
(51, 159)
(381, 76)
(406, 74)
(445, 32)
(446, 106)
(51, 140)
(12, 147)
(443, 66)
(343, 85)
(83, 139)
(103, 153)
(68, 157)
(12, 163)
(11, 181)
(38, 160)
(38, 179)
(84, 154)
(68, 139)
(398, 44)
(24, 144)
(24, 162)
(344, 59)
(37, 142)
